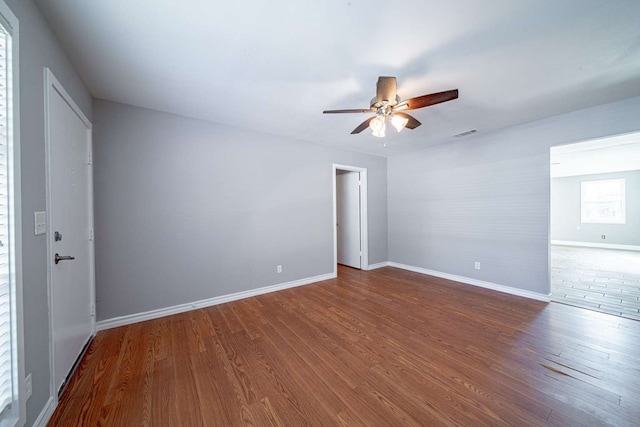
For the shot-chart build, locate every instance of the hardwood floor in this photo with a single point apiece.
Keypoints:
(386, 347)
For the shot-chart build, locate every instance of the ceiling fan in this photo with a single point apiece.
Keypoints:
(387, 104)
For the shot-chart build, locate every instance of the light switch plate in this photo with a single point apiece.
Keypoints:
(40, 219)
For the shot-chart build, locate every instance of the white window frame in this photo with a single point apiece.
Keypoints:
(584, 202)
(16, 413)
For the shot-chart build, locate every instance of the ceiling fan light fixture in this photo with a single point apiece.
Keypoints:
(378, 126)
(399, 122)
(379, 134)
(377, 123)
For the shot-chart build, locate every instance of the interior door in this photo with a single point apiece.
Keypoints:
(348, 216)
(70, 230)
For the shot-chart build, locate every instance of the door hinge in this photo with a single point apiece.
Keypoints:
(91, 234)
(90, 160)
(93, 309)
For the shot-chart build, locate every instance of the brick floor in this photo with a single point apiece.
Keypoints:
(603, 280)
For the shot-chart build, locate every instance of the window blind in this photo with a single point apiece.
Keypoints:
(6, 333)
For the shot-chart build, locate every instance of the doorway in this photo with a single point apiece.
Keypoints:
(595, 225)
(350, 217)
(70, 249)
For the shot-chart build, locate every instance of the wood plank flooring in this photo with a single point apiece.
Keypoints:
(605, 280)
(381, 348)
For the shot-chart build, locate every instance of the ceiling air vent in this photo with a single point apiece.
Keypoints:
(469, 132)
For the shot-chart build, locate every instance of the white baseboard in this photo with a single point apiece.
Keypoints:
(596, 245)
(474, 282)
(377, 265)
(46, 413)
(181, 308)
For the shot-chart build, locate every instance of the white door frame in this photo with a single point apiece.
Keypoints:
(51, 83)
(364, 238)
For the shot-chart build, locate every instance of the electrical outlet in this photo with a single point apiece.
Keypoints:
(278, 269)
(28, 386)
(477, 265)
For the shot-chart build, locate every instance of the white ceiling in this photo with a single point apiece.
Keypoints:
(276, 65)
(603, 155)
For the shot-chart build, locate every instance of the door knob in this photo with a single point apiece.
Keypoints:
(59, 258)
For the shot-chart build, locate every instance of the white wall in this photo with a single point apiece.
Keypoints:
(187, 210)
(486, 197)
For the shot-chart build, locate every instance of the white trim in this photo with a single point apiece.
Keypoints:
(46, 413)
(595, 245)
(475, 282)
(181, 308)
(549, 219)
(51, 82)
(378, 265)
(364, 227)
(91, 237)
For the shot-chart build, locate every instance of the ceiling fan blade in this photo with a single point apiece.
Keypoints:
(362, 126)
(431, 99)
(346, 111)
(386, 89)
(412, 123)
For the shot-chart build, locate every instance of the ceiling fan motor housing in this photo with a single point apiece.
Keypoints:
(375, 105)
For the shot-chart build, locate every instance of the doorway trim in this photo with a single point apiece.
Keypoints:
(364, 237)
(51, 83)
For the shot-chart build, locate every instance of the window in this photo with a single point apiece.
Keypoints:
(602, 202)
(5, 288)
(11, 407)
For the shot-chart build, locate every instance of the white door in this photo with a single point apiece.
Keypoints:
(70, 229)
(348, 218)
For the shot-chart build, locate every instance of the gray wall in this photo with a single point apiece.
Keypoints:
(486, 197)
(565, 211)
(187, 210)
(38, 49)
